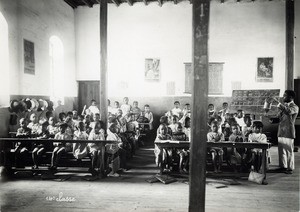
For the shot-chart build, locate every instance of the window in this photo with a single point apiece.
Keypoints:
(57, 75)
(4, 61)
(215, 78)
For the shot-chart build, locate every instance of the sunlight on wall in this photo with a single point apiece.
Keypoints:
(4, 61)
(56, 54)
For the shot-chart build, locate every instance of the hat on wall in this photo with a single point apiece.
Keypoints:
(14, 106)
(36, 104)
(28, 103)
(32, 104)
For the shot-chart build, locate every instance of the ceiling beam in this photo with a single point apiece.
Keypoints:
(175, 1)
(87, 3)
(191, 1)
(130, 2)
(145, 2)
(160, 2)
(222, 1)
(71, 3)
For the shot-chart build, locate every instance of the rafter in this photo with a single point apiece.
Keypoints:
(87, 3)
(222, 1)
(130, 2)
(71, 3)
(160, 2)
(175, 1)
(145, 2)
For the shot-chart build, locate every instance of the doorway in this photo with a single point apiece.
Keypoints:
(87, 90)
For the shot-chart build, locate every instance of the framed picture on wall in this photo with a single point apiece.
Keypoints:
(264, 71)
(29, 61)
(152, 69)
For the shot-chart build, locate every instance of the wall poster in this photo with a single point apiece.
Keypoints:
(29, 61)
(264, 71)
(152, 69)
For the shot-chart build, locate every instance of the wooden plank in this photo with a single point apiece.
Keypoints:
(103, 61)
(199, 105)
(290, 23)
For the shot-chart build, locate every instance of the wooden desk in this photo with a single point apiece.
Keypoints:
(63, 141)
(248, 145)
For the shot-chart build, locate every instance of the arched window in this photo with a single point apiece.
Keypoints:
(56, 69)
(4, 61)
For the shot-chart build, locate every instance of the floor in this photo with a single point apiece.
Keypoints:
(131, 191)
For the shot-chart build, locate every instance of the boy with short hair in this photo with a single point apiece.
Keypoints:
(126, 108)
(148, 114)
(176, 110)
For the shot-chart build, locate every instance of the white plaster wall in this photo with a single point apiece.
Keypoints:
(37, 21)
(297, 40)
(239, 34)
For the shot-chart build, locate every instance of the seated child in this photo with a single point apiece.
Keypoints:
(176, 110)
(87, 123)
(116, 108)
(115, 150)
(94, 149)
(149, 116)
(40, 147)
(179, 135)
(21, 148)
(172, 126)
(109, 108)
(33, 125)
(216, 152)
(96, 119)
(126, 108)
(240, 119)
(121, 121)
(160, 154)
(259, 137)
(247, 129)
(136, 111)
(52, 129)
(80, 149)
(59, 147)
(187, 110)
(211, 113)
(235, 156)
(187, 128)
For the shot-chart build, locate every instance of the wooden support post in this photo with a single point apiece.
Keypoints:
(199, 105)
(290, 23)
(103, 61)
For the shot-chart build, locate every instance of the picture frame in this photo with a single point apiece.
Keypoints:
(29, 58)
(152, 69)
(264, 72)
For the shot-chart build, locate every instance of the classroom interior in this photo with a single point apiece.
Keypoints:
(67, 66)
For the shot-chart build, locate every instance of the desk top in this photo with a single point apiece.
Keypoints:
(184, 144)
(56, 140)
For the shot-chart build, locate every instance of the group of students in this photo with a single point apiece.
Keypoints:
(222, 126)
(174, 125)
(122, 128)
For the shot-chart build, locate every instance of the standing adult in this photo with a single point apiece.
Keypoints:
(288, 112)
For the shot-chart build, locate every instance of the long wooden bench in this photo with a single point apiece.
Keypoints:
(223, 144)
(66, 157)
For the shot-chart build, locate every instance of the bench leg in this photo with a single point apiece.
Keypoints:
(264, 166)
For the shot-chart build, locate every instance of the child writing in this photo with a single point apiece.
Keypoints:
(216, 152)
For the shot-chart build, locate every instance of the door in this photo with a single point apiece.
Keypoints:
(87, 90)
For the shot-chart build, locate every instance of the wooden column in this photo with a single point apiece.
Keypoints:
(199, 105)
(103, 61)
(290, 22)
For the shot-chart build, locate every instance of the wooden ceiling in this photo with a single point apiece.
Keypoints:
(91, 3)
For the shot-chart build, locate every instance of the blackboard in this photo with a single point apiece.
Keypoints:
(252, 101)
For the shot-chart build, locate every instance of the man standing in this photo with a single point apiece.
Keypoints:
(288, 112)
